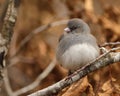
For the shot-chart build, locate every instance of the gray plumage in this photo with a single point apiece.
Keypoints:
(76, 47)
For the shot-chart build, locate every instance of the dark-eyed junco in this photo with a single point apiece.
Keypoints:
(77, 46)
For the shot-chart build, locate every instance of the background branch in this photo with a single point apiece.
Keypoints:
(33, 85)
(34, 32)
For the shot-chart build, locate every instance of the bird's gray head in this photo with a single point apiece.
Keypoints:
(77, 26)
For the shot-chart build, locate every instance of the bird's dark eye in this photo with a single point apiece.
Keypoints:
(73, 27)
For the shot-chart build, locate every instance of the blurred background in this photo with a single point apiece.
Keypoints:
(103, 17)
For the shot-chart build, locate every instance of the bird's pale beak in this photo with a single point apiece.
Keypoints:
(67, 30)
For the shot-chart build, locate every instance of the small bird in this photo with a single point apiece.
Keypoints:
(77, 46)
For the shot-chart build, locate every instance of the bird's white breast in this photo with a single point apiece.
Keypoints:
(78, 55)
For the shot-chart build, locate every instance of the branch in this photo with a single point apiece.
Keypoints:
(7, 22)
(33, 33)
(102, 61)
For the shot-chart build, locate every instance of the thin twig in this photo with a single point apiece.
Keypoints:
(110, 44)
